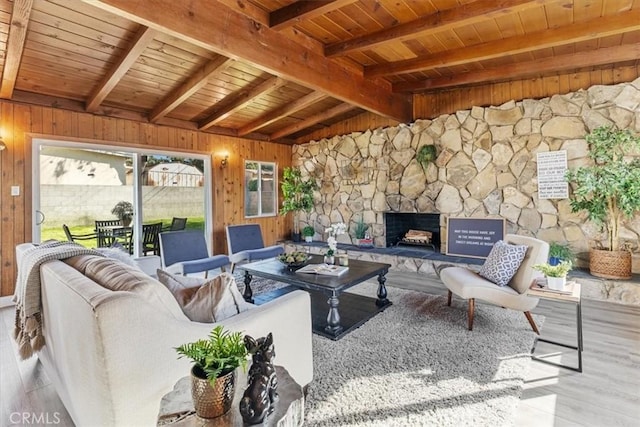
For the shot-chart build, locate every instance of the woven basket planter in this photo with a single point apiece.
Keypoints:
(610, 264)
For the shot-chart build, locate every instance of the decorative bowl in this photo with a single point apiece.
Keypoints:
(294, 259)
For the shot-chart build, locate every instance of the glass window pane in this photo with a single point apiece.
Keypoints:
(260, 189)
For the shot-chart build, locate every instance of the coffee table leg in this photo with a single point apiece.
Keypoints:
(382, 291)
(333, 318)
(248, 293)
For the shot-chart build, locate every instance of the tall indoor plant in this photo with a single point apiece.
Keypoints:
(609, 190)
(297, 197)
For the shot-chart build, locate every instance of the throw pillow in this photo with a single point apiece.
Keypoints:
(118, 276)
(206, 300)
(503, 262)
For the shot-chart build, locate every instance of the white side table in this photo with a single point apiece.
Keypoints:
(574, 298)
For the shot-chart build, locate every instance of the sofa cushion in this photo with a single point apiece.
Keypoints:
(118, 276)
(206, 300)
(503, 262)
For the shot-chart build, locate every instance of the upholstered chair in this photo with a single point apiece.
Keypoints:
(470, 285)
(245, 244)
(185, 252)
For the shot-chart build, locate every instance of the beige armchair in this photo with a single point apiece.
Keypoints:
(470, 285)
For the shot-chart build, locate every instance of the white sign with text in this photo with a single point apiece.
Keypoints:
(552, 166)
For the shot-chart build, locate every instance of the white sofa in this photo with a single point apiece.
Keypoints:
(110, 354)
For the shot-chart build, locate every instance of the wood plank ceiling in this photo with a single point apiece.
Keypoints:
(279, 69)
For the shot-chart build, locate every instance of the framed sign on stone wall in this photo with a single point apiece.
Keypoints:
(552, 167)
(473, 237)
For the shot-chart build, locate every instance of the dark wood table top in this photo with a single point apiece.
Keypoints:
(358, 272)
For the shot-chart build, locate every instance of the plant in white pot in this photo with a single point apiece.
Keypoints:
(124, 211)
(308, 232)
(609, 190)
(213, 374)
(556, 274)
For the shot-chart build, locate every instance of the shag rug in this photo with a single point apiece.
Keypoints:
(416, 364)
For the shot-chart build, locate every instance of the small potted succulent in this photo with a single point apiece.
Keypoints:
(213, 374)
(308, 232)
(556, 274)
(361, 232)
(559, 252)
(124, 211)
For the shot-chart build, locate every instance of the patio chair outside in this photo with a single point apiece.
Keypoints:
(106, 237)
(150, 239)
(177, 224)
(77, 237)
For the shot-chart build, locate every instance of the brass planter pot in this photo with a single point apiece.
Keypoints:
(610, 264)
(208, 401)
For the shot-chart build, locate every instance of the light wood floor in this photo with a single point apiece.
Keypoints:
(606, 393)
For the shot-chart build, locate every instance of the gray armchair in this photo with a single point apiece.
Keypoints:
(245, 243)
(470, 285)
(185, 252)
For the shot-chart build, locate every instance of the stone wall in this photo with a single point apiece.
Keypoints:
(486, 167)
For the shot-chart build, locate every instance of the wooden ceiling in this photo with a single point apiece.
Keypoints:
(280, 69)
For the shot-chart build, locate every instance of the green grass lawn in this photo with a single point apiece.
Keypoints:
(57, 232)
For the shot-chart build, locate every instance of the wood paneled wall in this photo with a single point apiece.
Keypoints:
(431, 105)
(19, 122)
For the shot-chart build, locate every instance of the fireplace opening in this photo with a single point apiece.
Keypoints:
(412, 228)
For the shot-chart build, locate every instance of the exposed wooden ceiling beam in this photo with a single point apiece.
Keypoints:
(241, 100)
(281, 112)
(295, 12)
(536, 67)
(192, 85)
(600, 27)
(15, 45)
(310, 121)
(216, 27)
(466, 14)
(138, 44)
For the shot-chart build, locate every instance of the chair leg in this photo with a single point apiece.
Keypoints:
(531, 322)
(472, 303)
(449, 295)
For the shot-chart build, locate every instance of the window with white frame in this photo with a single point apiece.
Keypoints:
(260, 196)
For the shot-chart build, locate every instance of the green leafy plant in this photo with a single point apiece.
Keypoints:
(559, 270)
(123, 210)
(297, 195)
(218, 355)
(426, 154)
(361, 229)
(561, 251)
(308, 231)
(610, 188)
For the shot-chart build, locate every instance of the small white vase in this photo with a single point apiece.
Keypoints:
(308, 239)
(556, 283)
(329, 259)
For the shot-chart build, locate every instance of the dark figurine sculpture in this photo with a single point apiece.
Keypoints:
(259, 398)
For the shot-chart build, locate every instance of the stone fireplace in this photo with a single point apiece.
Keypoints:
(397, 224)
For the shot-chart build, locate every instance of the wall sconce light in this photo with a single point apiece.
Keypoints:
(224, 162)
(2, 144)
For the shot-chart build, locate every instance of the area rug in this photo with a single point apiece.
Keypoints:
(416, 364)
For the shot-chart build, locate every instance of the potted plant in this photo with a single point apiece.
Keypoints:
(124, 211)
(559, 252)
(297, 197)
(308, 232)
(426, 154)
(361, 234)
(556, 274)
(214, 371)
(608, 190)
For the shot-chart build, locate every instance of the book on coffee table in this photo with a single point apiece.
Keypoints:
(323, 269)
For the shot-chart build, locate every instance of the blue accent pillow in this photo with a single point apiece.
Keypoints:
(503, 262)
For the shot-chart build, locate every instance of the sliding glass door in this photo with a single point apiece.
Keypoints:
(96, 189)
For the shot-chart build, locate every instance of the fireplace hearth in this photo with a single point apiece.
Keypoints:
(399, 224)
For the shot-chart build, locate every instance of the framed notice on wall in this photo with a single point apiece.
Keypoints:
(473, 237)
(552, 166)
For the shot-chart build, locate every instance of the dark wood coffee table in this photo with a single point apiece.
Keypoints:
(354, 309)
